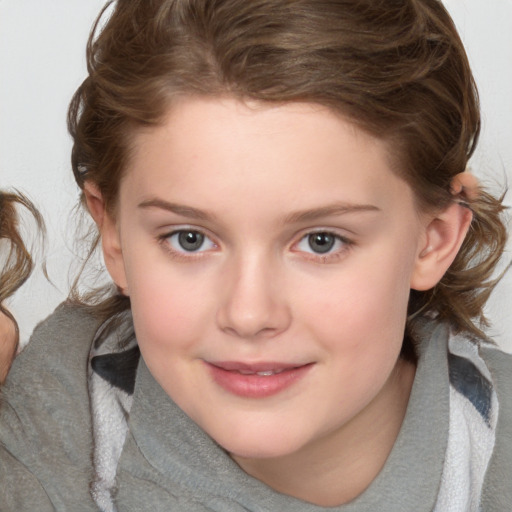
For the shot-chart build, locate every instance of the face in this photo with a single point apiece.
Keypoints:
(268, 252)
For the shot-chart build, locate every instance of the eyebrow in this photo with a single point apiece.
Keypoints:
(293, 218)
(178, 209)
(329, 210)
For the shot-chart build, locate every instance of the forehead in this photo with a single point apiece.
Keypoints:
(208, 147)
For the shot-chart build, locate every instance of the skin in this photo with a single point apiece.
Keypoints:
(257, 180)
(8, 344)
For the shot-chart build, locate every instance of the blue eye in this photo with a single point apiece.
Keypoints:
(189, 240)
(321, 242)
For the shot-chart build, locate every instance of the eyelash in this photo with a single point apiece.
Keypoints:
(184, 255)
(327, 257)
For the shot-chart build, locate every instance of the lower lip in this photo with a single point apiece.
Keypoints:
(257, 386)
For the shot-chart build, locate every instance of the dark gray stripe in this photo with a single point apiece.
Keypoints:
(467, 380)
(118, 369)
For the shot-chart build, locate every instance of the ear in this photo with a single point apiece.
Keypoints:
(444, 235)
(110, 238)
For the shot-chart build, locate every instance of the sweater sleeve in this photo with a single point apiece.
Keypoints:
(45, 426)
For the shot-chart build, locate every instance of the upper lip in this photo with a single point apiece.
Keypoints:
(264, 366)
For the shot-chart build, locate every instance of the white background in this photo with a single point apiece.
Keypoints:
(42, 62)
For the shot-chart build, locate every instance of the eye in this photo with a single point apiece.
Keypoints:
(189, 240)
(322, 243)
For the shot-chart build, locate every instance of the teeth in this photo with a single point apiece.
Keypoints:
(265, 373)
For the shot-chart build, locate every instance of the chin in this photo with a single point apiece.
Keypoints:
(257, 452)
(260, 445)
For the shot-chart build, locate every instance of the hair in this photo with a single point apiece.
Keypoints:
(17, 263)
(396, 68)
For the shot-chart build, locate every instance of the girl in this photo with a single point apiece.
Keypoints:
(300, 261)
(16, 268)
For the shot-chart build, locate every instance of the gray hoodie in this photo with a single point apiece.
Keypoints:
(168, 463)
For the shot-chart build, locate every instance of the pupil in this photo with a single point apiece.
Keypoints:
(321, 242)
(191, 240)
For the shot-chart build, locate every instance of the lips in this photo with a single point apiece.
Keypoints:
(259, 380)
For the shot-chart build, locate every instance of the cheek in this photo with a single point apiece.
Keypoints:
(168, 309)
(359, 315)
(363, 296)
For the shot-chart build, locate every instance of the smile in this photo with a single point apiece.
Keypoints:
(264, 373)
(256, 380)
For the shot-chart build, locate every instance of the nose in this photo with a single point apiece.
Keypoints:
(253, 303)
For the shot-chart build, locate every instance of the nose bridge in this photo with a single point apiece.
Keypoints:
(254, 303)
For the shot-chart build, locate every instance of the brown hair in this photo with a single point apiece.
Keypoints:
(397, 68)
(17, 263)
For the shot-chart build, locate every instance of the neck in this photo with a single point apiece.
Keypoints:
(338, 467)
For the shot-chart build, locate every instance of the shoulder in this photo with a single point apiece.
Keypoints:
(45, 426)
(498, 489)
(478, 458)
(55, 357)
(482, 373)
(500, 365)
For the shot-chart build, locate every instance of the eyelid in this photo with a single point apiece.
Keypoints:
(163, 240)
(328, 257)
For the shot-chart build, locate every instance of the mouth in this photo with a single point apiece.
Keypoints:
(258, 380)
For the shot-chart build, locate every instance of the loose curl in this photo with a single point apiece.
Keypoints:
(17, 263)
(396, 68)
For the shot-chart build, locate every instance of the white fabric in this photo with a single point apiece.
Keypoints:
(470, 445)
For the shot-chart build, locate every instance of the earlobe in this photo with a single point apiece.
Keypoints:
(444, 235)
(110, 238)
